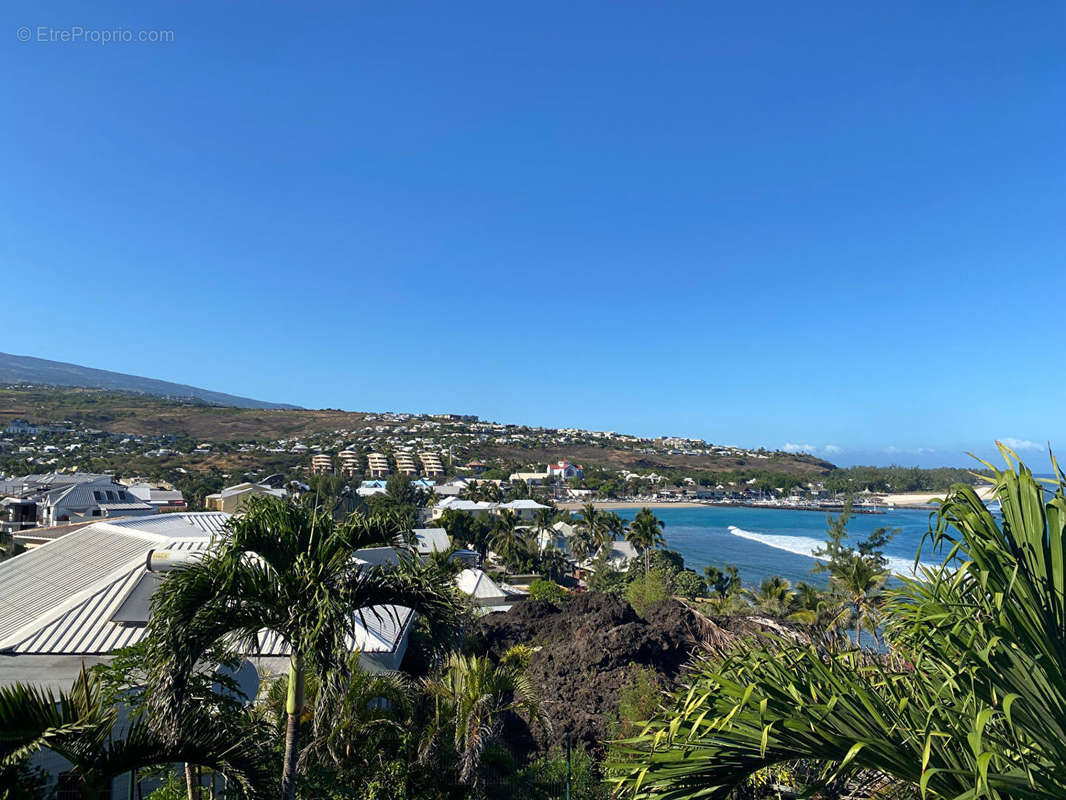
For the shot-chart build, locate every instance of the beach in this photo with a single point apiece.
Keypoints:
(925, 499)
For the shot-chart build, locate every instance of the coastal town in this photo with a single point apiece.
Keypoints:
(445, 455)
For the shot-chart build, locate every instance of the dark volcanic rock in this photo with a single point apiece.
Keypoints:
(588, 649)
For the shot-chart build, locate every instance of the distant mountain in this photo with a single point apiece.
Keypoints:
(26, 369)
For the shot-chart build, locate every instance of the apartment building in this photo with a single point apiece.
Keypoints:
(377, 465)
(405, 463)
(351, 464)
(321, 463)
(431, 465)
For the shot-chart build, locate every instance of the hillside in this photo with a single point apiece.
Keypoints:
(138, 415)
(40, 371)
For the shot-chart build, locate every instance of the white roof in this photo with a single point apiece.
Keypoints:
(430, 540)
(522, 505)
(58, 599)
(478, 585)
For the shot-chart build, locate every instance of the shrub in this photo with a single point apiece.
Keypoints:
(647, 590)
(518, 656)
(541, 589)
(688, 584)
(638, 701)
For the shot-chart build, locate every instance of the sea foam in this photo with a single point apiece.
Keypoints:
(805, 546)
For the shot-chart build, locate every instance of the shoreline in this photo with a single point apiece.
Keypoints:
(613, 505)
(619, 505)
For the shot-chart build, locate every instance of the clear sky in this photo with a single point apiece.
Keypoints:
(829, 225)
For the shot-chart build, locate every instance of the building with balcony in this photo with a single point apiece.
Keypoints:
(431, 465)
(321, 463)
(405, 464)
(377, 465)
(351, 463)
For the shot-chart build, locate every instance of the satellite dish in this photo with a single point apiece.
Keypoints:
(245, 676)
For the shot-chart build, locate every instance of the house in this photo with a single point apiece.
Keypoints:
(102, 498)
(557, 537)
(565, 470)
(162, 499)
(530, 478)
(229, 500)
(475, 507)
(487, 595)
(452, 488)
(84, 595)
(524, 509)
(368, 488)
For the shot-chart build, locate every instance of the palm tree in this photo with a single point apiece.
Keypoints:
(970, 700)
(373, 707)
(554, 563)
(615, 525)
(287, 568)
(472, 698)
(80, 726)
(543, 520)
(509, 543)
(592, 530)
(857, 583)
(646, 533)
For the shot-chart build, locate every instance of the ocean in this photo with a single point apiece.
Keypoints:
(763, 542)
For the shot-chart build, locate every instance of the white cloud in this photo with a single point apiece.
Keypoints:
(1021, 444)
(813, 449)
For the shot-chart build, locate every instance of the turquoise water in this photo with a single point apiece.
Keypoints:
(778, 542)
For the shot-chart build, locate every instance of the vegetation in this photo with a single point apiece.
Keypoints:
(288, 568)
(968, 701)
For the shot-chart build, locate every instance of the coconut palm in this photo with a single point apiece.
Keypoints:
(510, 543)
(646, 533)
(969, 702)
(543, 520)
(592, 529)
(289, 569)
(616, 526)
(856, 584)
(471, 699)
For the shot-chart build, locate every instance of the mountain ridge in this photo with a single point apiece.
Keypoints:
(44, 372)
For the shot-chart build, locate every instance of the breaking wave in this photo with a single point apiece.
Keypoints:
(805, 546)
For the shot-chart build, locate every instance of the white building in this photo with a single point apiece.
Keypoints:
(565, 470)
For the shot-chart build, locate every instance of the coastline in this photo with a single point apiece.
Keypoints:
(615, 505)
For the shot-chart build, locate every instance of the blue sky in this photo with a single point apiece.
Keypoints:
(831, 225)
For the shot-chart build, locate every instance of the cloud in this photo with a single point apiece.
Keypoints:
(1021, 444)
(829, 449)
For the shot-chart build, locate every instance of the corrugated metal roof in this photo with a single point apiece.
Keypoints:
(39, 580)
(178, 526)
(59, 598)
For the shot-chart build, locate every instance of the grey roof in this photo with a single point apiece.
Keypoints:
(84, 593)
(204, 523)
(429, 540)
